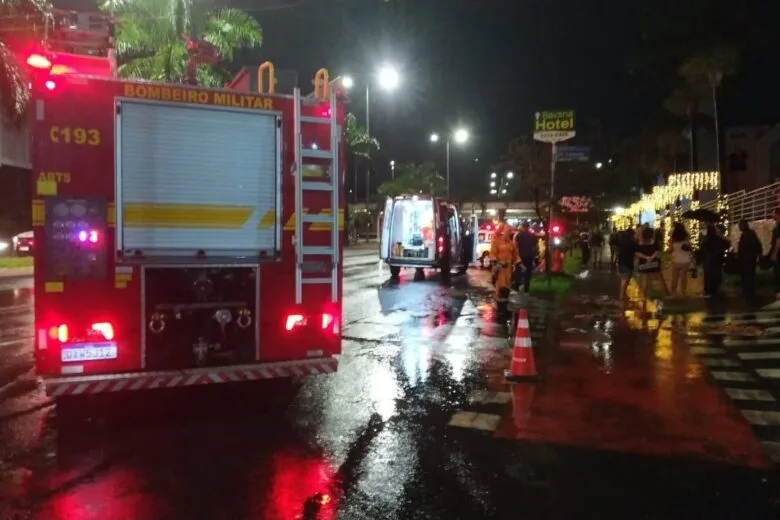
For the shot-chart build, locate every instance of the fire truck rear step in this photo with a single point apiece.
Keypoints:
(98, 384)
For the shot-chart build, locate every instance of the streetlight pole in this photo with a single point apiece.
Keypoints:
(388, 78)
(461, 136)
(448, 168)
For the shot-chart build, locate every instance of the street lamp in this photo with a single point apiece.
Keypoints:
(460, 136)
(500, 186)
(388, 78)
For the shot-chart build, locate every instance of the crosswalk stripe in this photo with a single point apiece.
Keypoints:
(758, 355)
(772, 450)
(739, 394)
(722, 375)
(769, 373)
(717, 362)
(707, 350)
(732, 342)
(762, 418)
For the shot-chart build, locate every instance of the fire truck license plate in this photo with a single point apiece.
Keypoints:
(88, 352)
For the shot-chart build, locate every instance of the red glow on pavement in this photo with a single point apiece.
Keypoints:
(116, 495)
(635, 394)
(298, 483)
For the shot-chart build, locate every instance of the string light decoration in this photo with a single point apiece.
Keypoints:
(668, 199)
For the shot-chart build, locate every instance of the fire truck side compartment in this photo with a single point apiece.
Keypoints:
(197, 181)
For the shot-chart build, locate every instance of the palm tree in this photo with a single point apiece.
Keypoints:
(153, 37)
(21, 19)
(706, 70)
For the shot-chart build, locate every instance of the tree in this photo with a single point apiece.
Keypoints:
(360, 145)
(415, 178)
(19, 22)
(530, 161)
(706, 70)
(153, 35)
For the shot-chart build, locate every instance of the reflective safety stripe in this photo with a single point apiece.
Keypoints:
(140, 215)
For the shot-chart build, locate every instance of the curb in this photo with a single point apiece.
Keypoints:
(13, 272)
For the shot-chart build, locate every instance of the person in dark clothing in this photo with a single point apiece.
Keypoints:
(648, 263)
(748, 253)
(585, 250)
(713, 247)
(774, 252)
(614, 237)
(625, 242)
(597, 247)
(525, 242)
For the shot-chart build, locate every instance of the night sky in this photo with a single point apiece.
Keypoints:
(488, 65)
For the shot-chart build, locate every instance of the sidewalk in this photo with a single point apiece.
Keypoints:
(618, 381)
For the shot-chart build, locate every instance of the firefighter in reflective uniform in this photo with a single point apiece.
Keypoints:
(504, 254)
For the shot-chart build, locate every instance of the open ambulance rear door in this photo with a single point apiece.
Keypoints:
(384, 239)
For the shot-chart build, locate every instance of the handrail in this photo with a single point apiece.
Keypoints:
(266, 66)
(758, 204)
(321, 85)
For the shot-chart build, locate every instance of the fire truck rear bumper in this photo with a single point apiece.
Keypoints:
(108, 383)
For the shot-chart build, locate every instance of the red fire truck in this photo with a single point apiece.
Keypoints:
(184, 236)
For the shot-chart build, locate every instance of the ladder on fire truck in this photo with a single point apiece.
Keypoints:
(328, 183)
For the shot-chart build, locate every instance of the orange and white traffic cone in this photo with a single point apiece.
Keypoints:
(523, 365)
(522, 399)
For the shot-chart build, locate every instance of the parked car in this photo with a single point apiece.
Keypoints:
(23, 243)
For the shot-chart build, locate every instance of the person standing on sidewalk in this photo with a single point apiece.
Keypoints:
(626, 250)
(682, 258)
(597, 247)
(748, 253)
(525, 242)
(584, 250)
(775, 251)
(713, 246)
(614, 236)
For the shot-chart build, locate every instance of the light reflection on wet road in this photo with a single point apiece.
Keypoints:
(370, 442)
(264, 451)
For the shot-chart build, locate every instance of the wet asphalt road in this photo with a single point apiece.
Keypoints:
(369, 442)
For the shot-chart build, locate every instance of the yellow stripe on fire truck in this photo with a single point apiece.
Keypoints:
(141, 215)
(38, 212)
(290, 224)
(122, 275)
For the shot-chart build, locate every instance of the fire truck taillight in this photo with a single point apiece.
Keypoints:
(441, 245)
(38, 61)
(104, 328)
(330, 323)
(294, 321)
(60, 333)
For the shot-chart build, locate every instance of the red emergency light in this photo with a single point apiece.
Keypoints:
(556, 229)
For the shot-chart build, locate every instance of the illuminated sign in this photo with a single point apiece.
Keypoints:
(200, 97)
(552, 126)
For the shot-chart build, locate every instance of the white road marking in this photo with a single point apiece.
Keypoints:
(758, 355)
(721, 375)
(762, 418)
(476, 421)
(739, 394)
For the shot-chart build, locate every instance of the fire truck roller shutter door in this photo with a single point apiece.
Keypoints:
(197, 178)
